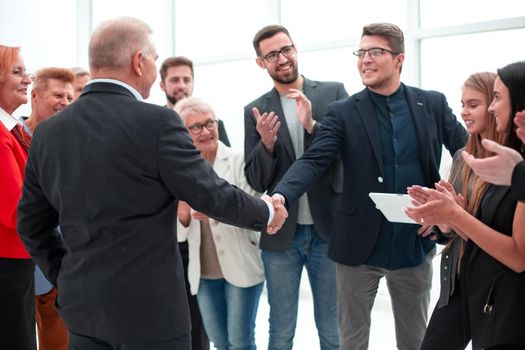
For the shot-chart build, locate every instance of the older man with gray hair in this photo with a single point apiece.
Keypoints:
(111, 169)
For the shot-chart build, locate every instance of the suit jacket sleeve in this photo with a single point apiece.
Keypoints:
(454, 134)
(316, 159)
(341, 93)
(190, 178)
(39, 233)
(518, 181)
(260, 167)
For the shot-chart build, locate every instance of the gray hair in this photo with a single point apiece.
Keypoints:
(192, 105)
(80, 72)
(116, 40)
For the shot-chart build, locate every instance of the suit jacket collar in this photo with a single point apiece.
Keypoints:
(366, 111)
(416, 104)
(221, 163)
(223, 151)
(107, 87)
(421, 118)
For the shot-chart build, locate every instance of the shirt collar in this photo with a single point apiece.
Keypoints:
(7, 119)
(121, 83)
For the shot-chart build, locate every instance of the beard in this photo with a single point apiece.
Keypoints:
(172, 99)
(286, 79)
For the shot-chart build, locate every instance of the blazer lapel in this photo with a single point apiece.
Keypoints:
(366, 112)
(310, 90)
(421, 118)
(487, 215)
(221, 163)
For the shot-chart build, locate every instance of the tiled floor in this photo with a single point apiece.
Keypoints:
(382, 334)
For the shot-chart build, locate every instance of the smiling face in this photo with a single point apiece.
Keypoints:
(51, 99)
(500, 106)
(285, 69)
(207, 141)
(474, 110)
(13, 88)
(178, 83)
(380, 74)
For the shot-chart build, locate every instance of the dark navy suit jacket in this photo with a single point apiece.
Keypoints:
(351, 128)
(110, 170)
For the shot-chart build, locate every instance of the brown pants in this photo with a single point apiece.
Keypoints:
(52, 331)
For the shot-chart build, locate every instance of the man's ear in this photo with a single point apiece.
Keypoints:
(260, 62)
(400, 59)
(136, 62)
(162, 86)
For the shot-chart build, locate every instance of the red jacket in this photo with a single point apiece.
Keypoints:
(13, 159)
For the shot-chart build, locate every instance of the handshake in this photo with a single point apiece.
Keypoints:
(280, 213)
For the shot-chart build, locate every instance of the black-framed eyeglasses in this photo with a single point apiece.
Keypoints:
(273, 56)
(23, 74)
(196, 129)
(373, 52)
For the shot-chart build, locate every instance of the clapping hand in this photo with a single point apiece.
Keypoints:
(434, 206)
(303, 109)
(496, 169)
(267, 126)
(519, 120)
(421, 195)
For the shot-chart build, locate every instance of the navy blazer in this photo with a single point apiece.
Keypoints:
(110, 170)
(263, 170)
(351, 127)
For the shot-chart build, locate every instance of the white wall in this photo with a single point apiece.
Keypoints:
(218, 39)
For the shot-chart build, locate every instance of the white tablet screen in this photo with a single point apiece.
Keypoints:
(392, 205)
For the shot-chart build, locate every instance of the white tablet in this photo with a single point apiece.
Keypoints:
(392, 205)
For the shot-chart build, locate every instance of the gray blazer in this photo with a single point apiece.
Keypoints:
(263, 171)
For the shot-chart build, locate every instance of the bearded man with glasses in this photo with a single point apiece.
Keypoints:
(279, 126)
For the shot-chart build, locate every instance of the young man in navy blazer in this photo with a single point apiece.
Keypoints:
(390, 136)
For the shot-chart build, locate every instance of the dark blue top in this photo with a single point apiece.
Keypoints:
(398, 245)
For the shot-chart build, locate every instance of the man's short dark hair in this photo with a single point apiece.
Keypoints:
(390, 32)
(267, 32)
(174, 62)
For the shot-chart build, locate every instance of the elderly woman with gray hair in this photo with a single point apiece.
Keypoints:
(225, 268)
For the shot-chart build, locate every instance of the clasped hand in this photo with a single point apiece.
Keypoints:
(280, 212)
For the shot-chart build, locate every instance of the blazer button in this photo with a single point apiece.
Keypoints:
(380, 179)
